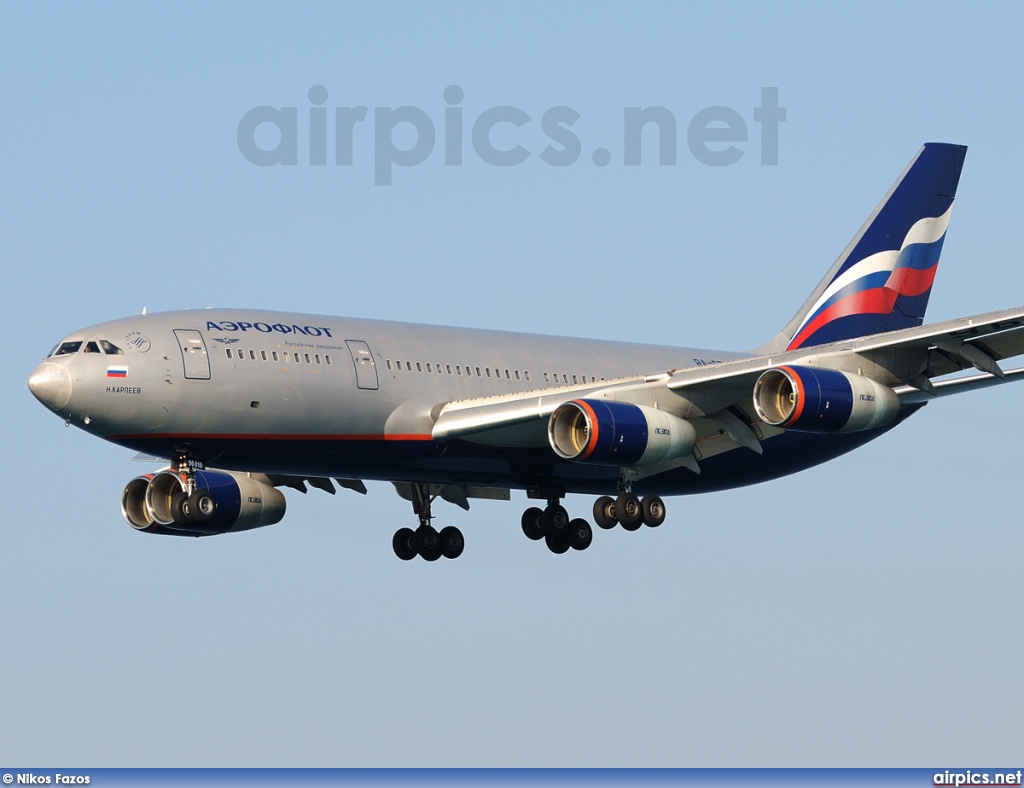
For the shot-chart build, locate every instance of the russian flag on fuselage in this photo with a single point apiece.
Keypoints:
(883, 281)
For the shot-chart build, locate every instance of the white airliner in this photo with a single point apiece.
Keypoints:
(241, 402)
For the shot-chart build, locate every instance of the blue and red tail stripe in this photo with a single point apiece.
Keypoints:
(884, 282)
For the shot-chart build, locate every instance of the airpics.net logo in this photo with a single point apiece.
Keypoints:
(716, 136)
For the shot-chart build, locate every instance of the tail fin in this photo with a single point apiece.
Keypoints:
(882, 280)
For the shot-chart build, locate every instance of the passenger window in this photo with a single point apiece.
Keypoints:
(110, 349)
(449, 368)
(419, 367)
(307, 358)
(274, 355)
(547, 378)
(388, 363)
(527, 373)
(507, 375)
(328, 359)
(263, 355)
(252, 355)
(428, 367)
(228, 352)
(458, 370)
(517, 374)
(478, 372)
(488, 371)
(317, 357)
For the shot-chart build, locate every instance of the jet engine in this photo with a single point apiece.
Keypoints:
(599, 432)
(812, 399)
(222, 501)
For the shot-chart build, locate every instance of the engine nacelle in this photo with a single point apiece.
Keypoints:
(812, 399)
(599, 432)
(223, 501)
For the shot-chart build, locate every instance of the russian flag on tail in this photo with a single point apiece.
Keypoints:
(883, 279)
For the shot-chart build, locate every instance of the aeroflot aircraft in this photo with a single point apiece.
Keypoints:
(242, 402)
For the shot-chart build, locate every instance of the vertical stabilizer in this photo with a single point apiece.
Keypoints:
(882, 280)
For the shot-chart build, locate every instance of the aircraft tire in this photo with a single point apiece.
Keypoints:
(428, 543)
(202, 505)
(557, 543)
(604, 512)
(403, 544)
(580, 534)
(629, 511)
(533, 523)
(654, 510)
(556, 520)
(452, 542)
(181, 512)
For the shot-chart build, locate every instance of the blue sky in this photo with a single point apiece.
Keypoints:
(865, 613)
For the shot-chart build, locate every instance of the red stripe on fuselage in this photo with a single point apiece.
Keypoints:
(270, 437)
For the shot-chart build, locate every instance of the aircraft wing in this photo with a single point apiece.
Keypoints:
(910, 358)
(913, 356)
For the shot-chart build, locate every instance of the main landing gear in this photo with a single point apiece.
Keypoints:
(629, 511)
(552, 524)
(425, 541)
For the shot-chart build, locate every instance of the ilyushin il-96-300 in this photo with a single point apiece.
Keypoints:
(243, 403)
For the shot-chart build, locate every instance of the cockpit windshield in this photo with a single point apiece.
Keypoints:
(67, 348)
(92, 346)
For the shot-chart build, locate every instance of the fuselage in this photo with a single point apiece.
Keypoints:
(313, 395)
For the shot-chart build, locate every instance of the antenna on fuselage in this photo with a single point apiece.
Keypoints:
(143, 311)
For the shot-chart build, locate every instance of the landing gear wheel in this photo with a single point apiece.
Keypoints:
(556, 520)
(427, 543)
(580, 534)
(403, 544)
(532, 523)
(202, 506)
(629, 511)
(452, 543)
(181, 512)
(557, 543)
(654, 510)
(604, 512)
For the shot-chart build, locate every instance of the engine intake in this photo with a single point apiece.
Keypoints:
(599, 432)
(222, 502)
(812, 399)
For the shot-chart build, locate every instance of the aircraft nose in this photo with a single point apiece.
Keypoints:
(51, 384)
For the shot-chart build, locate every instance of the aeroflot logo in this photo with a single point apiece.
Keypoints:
(270, 135)
(267, 328)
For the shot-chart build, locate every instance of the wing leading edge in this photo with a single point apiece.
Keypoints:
(908, 360)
